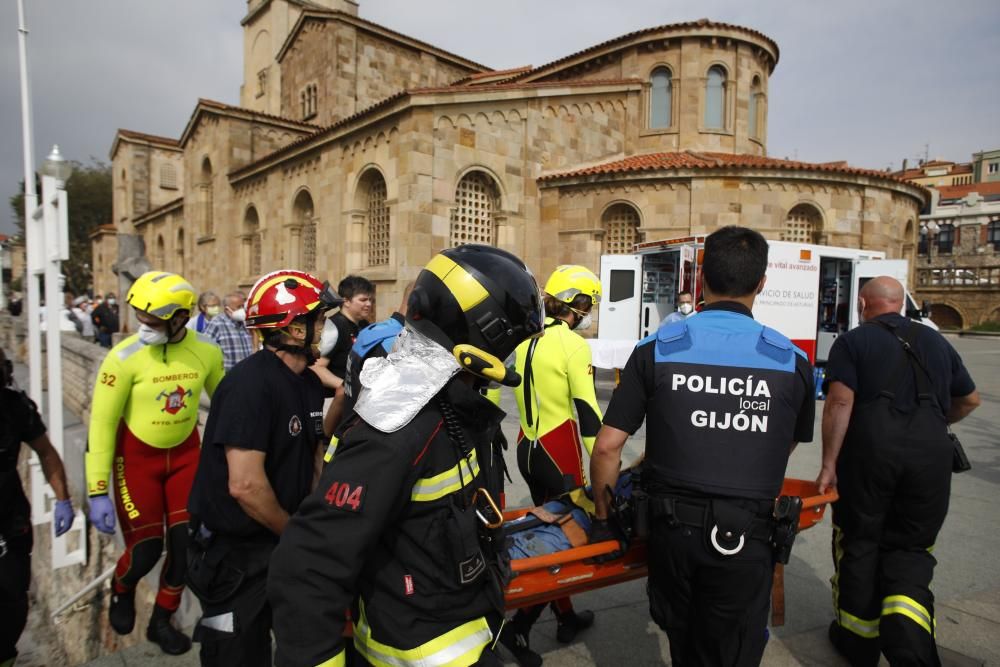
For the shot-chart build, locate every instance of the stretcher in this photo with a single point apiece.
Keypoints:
(570, 572)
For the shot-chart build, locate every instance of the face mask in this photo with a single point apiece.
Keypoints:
(112, 302)
(685, 308)
(328, 339)
(584, 323)
(150, 336)
(212, 311)
(238, 315)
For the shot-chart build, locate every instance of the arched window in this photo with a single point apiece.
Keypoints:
(473, 220)
(376, 218)
(160, 255)
(179, 249)
(251, 243)
(715, 98)
(621, 229)
(206, 197)
(660, 98)
(803, 225)
(993, 233)
(304, 232)
(756, 101)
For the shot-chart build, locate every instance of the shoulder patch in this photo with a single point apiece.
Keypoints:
(671, 332)
(346, 496)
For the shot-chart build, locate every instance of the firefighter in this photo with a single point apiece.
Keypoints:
(260, 459)
(403, 528)
(725, 400)
(144, 440)
(559, 418)
(894, 388)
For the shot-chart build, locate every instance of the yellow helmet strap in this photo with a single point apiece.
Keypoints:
(485, 365)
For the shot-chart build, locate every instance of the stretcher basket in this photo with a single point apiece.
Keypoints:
(570, 572)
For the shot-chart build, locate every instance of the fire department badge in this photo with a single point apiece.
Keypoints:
(173, 402)
(294, 425)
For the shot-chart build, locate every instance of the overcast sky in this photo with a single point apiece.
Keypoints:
(869, 81)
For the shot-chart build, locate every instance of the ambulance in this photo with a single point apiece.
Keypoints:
(810, 292)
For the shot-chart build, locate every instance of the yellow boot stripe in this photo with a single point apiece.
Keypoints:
(859, 626)
(913, 610)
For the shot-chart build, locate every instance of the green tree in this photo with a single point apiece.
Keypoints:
(89, 194)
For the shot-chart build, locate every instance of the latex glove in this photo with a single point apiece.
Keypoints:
(102, 514)
(63, 516)
(601, 530)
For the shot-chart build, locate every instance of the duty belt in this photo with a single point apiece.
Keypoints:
(697, 514)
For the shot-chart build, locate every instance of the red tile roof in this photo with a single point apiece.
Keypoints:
(684, 26)
(706, 160)
(222, 106)
(960, 191)
(492, 87)
(500, 75)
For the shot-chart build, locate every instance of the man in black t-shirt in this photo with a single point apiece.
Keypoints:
(887, 451)
(20, 422)
(259, 459)
(353, 316)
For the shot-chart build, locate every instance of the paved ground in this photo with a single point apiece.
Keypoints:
(967, 582)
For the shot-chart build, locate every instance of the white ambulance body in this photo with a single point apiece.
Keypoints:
(810, 292)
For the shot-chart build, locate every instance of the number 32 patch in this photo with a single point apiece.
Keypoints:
(346, 496)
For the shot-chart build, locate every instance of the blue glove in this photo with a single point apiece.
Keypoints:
(102, 514)
(63, 516)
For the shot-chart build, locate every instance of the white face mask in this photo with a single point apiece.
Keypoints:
(685, 308)
(328, 339)
(150, 336)
(112, 302)
(584, 323)
(238, 315)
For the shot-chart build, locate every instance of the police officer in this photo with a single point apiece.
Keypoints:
(20, 422)
(259, 460)
(726, 400)
(894, 387)
(397, 528)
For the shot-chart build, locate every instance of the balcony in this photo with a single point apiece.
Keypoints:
(959, 277)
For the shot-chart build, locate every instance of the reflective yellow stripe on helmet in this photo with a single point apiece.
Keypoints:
(449, 481)
(913, 610)
(463, 285)
(456, 648)
(336, 661)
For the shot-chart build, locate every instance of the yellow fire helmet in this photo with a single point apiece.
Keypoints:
(569, 280)
(161, 294)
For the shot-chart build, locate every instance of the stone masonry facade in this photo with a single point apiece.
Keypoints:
(376, 150)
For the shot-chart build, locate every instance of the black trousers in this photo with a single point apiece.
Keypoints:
(713, 608)
(893, 501)
(230, 581)
(15, 578)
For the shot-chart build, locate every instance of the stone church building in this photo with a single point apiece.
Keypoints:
(357, 149)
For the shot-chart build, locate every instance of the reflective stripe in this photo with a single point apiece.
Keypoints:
(456, 648)
(336, 661)
(331, 449)
(463, 285)
(129, 350)
(221, 623)
(449, 481)
(913, 610)
(838, 554)
(859, 626)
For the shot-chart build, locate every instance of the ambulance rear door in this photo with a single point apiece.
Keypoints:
(621, 279)
(866, 269)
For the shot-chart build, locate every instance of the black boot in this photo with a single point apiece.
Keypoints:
(514, 637)
(571, 623)
(121, 611)
(162, 632)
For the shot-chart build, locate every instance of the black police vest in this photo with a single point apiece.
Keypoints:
(722, 414)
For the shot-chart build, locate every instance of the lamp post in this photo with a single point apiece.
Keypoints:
(929, 230)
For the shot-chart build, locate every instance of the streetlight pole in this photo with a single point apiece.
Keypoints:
(32, 234)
